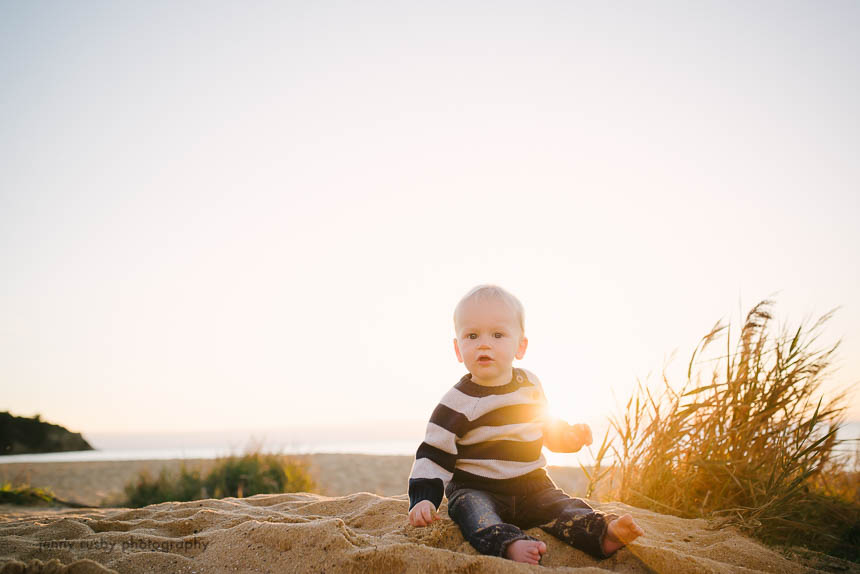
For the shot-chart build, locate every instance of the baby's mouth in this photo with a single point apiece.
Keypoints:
(484, 359)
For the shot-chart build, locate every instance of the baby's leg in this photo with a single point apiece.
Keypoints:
(479, 514)
(575, 522)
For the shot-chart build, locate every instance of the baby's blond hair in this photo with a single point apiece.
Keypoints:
(493, 291)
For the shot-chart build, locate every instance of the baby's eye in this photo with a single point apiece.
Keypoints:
(498, 335)
(472, 335)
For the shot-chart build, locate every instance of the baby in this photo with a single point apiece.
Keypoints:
(483, 447)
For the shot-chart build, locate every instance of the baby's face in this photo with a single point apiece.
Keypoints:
(488, 340)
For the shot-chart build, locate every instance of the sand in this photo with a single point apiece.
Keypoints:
(355, 532)
(360, 532)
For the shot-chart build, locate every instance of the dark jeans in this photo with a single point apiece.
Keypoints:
(491, 522)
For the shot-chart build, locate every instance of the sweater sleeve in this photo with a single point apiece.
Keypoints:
(436, 458)
(554, 428)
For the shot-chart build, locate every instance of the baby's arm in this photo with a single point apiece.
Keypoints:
(558, 436)
(433, 467)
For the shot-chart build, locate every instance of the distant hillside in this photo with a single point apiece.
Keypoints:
(21, 435)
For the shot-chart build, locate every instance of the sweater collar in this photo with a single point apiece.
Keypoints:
(467, 386)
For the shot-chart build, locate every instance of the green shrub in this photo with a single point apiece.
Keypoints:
(257, 473)
(749, 442)
(237, 476)
(26, 495)
(146, 489)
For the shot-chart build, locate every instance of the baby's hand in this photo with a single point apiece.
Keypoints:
(578, 436)
(423, 513)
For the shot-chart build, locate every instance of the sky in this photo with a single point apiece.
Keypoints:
(220, 215)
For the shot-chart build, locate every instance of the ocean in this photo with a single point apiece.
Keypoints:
(353, 439)
(358, 439)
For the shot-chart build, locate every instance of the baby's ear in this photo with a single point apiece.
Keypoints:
(457, 350)
(521, 349)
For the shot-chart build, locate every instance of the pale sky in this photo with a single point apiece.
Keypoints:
(236, 215)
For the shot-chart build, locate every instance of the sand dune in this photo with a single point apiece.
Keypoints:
(356, 533)
(338, 531)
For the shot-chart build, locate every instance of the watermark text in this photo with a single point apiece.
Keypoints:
(128, 545)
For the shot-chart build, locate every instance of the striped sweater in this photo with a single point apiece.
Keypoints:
(487, 437)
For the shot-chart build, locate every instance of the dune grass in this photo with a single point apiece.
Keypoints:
(747, 440)
(236, 476)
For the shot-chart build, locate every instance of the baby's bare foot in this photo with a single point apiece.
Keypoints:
(528, 551)
(620, 531)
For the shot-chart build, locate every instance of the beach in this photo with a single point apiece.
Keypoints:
(101, 483)
(356, 523)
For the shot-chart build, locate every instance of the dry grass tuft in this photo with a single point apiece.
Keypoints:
(748, 440)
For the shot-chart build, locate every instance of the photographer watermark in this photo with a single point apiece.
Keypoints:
(130, 545)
